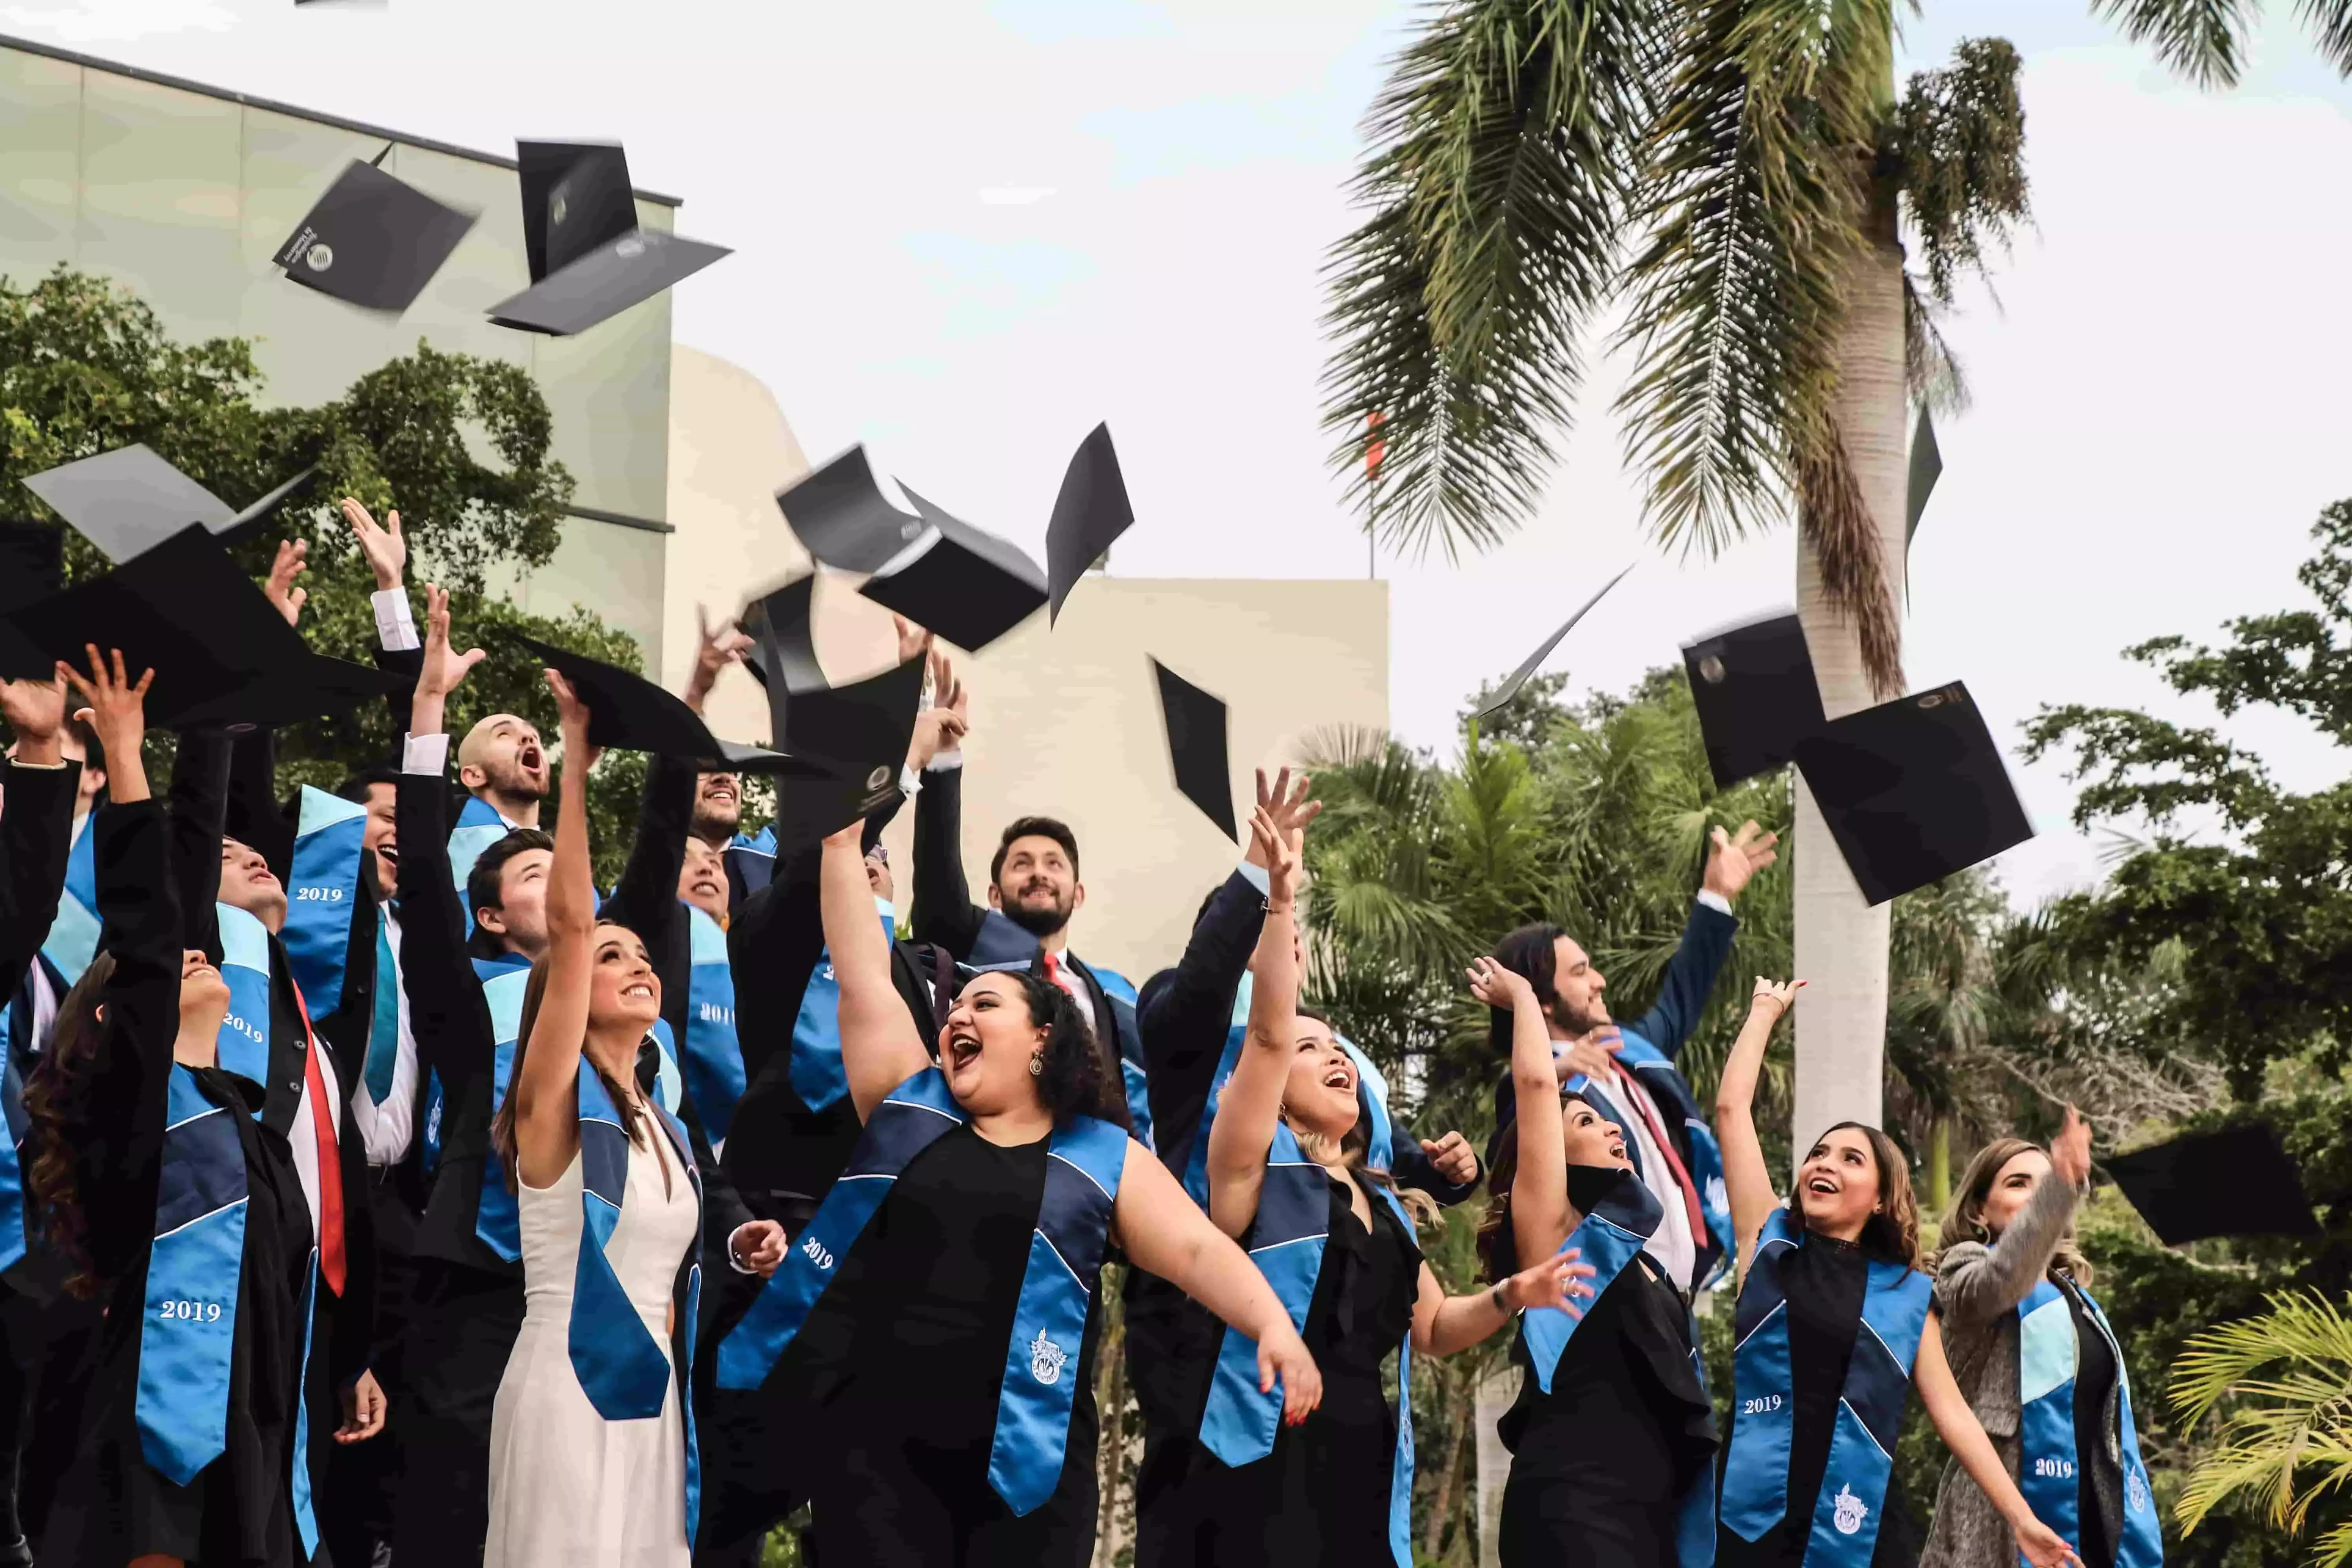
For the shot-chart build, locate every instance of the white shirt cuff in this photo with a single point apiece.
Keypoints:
(37, 767)
(910, 782)
(1255, 875)
(945, 761)
(425, 754)
(396, 628)
(1715, 901)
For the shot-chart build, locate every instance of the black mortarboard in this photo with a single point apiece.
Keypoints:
(857, 734)
(1518, 678)
(1091, 510)
(1754, 689)
(311, 688)
(967, 586)
(786, 643)
(1196, 746)
(1913, 790)
(589, 260)
(32, 567)
(841, 518)
(373, 240)
(2236, 1182)
(1926, 465)
(128, 501)
(183, 609)
(628, 712)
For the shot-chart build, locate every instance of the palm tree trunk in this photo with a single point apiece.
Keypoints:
(1110, 1406)
(1841, 946)
(1939, 1165)
(1456, 1448)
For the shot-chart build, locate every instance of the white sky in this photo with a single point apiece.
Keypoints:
(969, 234)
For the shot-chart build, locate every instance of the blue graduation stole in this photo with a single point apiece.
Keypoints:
(322, 892)
(1673, 1096)
(1085, 1161)
(72, 941)
(13, 1239)
(816, 1070)
(1844, 1524)
(188, 1335)
(621, 1368)
(478, 827)
(713, 1063)
(1608, 1238)
(2046, 1457)
(306, 1520)
(751, 859)
(498, 1224)
(670, 1079)
(384, 1023)
(242, 1046)
(1371, 1098)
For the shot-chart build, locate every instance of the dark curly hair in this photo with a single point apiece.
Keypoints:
(1081, 1076)
(56, 1106)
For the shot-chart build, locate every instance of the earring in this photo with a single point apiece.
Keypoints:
(1036, 1062)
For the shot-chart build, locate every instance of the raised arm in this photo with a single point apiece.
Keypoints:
(1541, 1220)
(398, 649)
(37, 828)
(1252, 1102)
(1948, 1407)
(1443, 1324)
(943, 912)
(1745, 1175)
(1707, 937)
(198, 813)
(446, 1009)
(879, 1047)
(547, 1107)
(1976, 1283)
(1163, 1232)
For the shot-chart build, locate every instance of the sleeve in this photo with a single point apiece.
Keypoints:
(35, 840)
(446, 1013)
(772, 947)
(407, 663)
(395, 624)
(1975, 1284)
(199, 813)
(1706, 942)
(646, 898)
(1183, 1023)
(944, 914)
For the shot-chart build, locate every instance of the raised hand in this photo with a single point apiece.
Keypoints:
(1279, 852)
(912, 639)
(1499, 987)
(1282, 1354)
(387, 550)
(280, 589)
(118, 711)
(1594, 1056)
(36, 710)
(1453, 1158)
(1286, 805)
(942, 726)
(442, 669)
(573, 715)
(1738, 857)
(1557, 1281)
(2070, 1152)
(1778, 995)
(716, 648)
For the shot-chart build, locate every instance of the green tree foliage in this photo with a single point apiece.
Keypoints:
(457, 444)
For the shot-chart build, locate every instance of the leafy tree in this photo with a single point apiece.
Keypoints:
(457, 445)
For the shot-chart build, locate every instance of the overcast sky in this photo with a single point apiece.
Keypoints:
(967, 234)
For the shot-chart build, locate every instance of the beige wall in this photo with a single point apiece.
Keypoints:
(1065, 722)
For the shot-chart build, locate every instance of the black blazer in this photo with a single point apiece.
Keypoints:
(36, 840)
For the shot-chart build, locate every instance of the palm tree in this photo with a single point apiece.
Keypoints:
(2295, 1418)
(1736, 174)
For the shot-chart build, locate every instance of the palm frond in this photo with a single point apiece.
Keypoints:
(2274, 1428)
(1962, 133)
(1931, 370)
(2330, 23)
(1496, 194)
(2204, 40)
(1834, 514)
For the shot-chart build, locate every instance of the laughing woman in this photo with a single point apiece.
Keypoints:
(1287, 1177)
(1816, 1400)
(592, 1450)
(1613, 1438)
(2040, 1361)
(930, 1335)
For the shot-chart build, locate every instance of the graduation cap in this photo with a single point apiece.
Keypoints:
(311, 688)
(841, 518)
(628, 712)
(1754, 689)
(184, 610)
(966, 585)
(32, 567)
(1091, 512)
(2236, 1182)
(128, 501)
(1196, 746)
(784, 645)
(1927, 466)
(373, 240)
(1913, 790)
(857, 736)
(589, 260)
(1518, 678)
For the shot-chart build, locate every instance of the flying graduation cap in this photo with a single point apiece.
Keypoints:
(2238, 1180)
(783, 649)
(856, 736)
(1091, 512)
(1754, 689)
(129, 500)
(589, 260)
(1927, 466)
(373, 240)
(1528, 666)
(842, 518)
(289, 693)
(1195, 722)
(1913, 790)
(966, 585)
(628, 712)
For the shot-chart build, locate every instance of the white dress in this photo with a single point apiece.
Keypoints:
(569, 1489)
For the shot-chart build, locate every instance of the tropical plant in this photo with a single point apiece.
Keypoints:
(2282, 1382)
(1738, 175)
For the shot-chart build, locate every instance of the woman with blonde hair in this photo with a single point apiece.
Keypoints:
(2040, 1364)
(1833, 1329)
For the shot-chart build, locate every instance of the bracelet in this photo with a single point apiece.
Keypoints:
(1501, 1304)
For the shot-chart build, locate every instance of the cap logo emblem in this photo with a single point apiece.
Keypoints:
(629, 249)
(877, 778)
(320, 257)
(555, 207)
(1710, 670)
(1933, 699)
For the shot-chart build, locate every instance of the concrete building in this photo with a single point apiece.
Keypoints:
(184, 193)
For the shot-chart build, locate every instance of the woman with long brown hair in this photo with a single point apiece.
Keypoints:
(2041, 1364)
(1833, 1329)
(592, 1448)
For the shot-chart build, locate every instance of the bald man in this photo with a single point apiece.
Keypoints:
(502, 763)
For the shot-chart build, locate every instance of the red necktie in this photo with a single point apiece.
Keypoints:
(331, 1164)
(1639, 1101)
